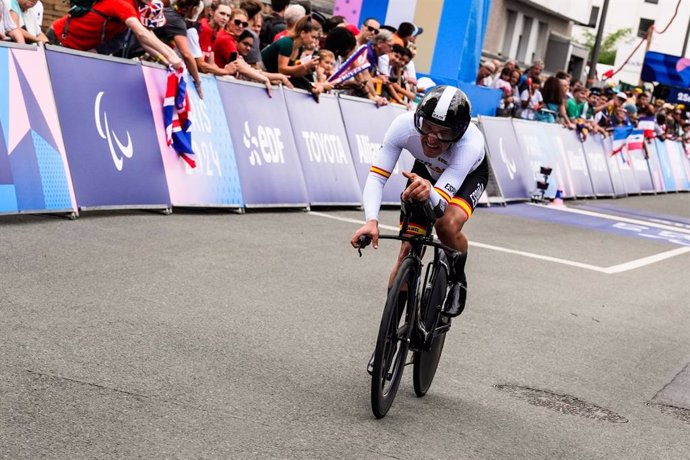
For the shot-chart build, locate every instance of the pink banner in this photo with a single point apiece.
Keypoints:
(351, 9)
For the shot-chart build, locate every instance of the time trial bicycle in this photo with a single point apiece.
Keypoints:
(412, 318)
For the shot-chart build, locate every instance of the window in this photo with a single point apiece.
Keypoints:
(645, 24)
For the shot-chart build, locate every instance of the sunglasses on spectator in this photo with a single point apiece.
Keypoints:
(373, 30)
(237, 22)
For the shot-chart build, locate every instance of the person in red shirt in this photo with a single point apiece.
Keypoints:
(225, 48)
(106, 21)
(210, 28)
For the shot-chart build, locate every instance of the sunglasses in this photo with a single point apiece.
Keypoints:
(373, 30)
(443, 135)
(237, 22)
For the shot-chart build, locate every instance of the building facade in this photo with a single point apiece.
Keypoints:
(638, 15)
(529, 30)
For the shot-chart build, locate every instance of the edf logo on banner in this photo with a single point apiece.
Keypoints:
(267, 144)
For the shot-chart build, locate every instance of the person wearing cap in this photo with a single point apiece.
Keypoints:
(406, 33)
(486, 70)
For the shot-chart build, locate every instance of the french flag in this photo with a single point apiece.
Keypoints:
(620, 138)
(635, 140)
(646, 124)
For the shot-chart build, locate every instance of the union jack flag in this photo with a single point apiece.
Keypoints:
(176, 108)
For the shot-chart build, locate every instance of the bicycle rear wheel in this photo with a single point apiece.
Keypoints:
(426, 359)
(393, 338)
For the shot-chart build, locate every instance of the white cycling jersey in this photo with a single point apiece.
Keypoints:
(449, 170)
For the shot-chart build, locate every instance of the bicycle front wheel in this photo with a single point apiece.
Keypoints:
(426, 359)
(393, 338)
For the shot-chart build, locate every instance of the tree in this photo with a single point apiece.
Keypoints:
(607, 53)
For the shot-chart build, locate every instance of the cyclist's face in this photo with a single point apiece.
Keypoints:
(435, 139)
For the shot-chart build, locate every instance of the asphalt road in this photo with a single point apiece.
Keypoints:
(216, 335)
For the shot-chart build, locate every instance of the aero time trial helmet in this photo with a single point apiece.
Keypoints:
(444, 106)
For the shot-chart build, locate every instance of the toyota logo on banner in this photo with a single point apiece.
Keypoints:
(124, 150)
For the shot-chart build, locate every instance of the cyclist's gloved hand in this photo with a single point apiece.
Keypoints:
(371, 230)
(418, 190)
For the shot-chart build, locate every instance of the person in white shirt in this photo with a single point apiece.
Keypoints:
(28, 15)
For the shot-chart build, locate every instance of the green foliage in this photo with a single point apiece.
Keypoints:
(607, 52)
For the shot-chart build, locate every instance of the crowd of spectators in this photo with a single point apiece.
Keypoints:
(277, 42)
(561, 99)
(286, 42)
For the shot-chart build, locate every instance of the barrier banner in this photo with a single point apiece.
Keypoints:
(270, 170)
(109, 131)
(215, 181)
(513, 173)
(641, 168)
(570, 148)
(366, 126)
(662, 173)
(624, 168)
(323, 149)
(679, 165)
(539, 150)
(604, 182)
(34, 174)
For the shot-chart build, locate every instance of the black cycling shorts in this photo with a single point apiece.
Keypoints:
(466, 198)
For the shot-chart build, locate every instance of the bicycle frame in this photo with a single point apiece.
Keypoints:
(417, 251)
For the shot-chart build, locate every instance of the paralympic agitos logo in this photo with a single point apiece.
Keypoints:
(125, 150)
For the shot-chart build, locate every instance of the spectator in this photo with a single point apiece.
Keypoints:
(533, 72)
(102, 29)
(225, 48)
(552, 97)
(514, 83)
(486, 70)
(531, 99)
(273, 23)
(243, 71)
(285, 55)
(253, 9)
(326, 65)
(370, 27)
(577, 106)
(25, 14)
(505, 105)
(210, 28)
(380, 45)
(8, 29)
(293, 13)
(333, 22)
(406, 33)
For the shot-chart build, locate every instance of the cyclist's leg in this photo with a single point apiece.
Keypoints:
(449, 231)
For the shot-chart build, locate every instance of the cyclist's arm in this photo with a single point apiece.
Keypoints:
(382, 168)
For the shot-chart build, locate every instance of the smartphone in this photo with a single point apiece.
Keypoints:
(233, 56)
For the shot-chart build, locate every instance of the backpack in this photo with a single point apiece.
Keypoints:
(78, 8)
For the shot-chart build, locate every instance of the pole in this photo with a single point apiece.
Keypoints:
(597, 45)
(685, 43)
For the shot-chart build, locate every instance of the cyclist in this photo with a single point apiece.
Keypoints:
(450, 172)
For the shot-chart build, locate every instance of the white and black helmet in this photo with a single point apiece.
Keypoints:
(445, 106)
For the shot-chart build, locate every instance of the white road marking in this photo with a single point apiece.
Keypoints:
(627, 266)
(653, 224)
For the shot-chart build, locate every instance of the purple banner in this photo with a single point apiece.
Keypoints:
(539, 150)
(110, 136)
(215, 181)
(270, 170)
(603, 181)
(366, 126)
(323, 148)
(513, 173)
(573, 157)
(676, 156)
(624, 168)
(34, 175)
